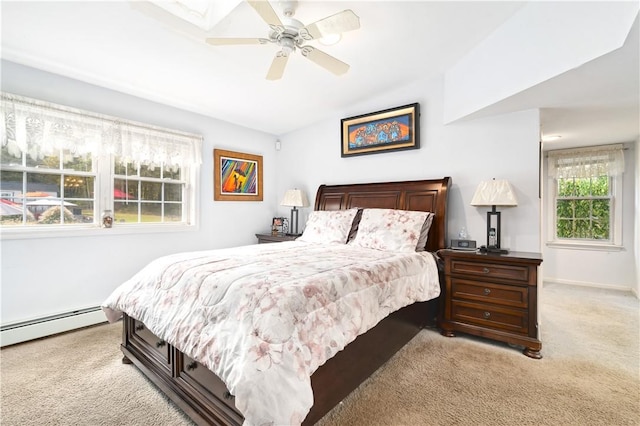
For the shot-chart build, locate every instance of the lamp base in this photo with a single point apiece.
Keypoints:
(493, 250)
(294, 222)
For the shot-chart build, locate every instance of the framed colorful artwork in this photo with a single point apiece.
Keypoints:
(381, 131)
(237, 176)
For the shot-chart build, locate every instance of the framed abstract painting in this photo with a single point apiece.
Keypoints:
(392, 129)
(237, 176)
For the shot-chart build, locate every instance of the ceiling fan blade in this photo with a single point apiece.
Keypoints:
(277, 66)
(326, 61)
(223, 41)
(266, 12)
(335, 24)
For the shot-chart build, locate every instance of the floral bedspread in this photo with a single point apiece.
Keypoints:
(265, 317)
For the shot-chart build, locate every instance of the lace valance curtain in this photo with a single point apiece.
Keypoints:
(40, 128)
(586, 162)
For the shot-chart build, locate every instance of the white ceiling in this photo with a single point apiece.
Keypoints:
(598, 102)
(136, 48)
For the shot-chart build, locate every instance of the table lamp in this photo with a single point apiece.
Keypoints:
(294, 198)
(494, 193)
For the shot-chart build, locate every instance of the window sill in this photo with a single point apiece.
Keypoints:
(585, 246)
(91, 231)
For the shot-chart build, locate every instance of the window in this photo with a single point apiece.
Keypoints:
(583, 208)
(62, 167)
(144, 194)
(58, 189)
(587, 195)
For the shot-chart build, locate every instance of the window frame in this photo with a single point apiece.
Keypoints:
(615, 220)
(140, 179)
(104, 183)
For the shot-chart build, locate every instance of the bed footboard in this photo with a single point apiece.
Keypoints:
(189, 384)
(205, 398)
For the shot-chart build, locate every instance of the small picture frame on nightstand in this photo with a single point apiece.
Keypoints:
(277, 225)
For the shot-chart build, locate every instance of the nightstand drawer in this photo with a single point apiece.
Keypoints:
(506, 295)
(494, 317)
(491, 270)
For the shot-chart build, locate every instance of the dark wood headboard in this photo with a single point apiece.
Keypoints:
(422, 195)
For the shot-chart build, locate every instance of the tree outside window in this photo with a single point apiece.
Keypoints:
(583, 208)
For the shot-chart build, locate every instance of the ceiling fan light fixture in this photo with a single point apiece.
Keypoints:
(330, 39)
(287, 44)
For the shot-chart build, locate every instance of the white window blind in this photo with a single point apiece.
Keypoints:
(40, 128)
(607, 160)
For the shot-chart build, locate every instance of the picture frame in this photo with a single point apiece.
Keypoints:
(280, 225)
(277, 225)
(392, 129)
(237, 176)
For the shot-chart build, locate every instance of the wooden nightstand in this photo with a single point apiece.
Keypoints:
(493, 296)
(277, 238)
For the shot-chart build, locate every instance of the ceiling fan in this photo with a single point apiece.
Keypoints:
(291, 34)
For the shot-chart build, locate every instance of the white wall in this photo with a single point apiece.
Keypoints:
(511, 60)
(598, 268)
(636, 288)
(501, 147)
(47, 276)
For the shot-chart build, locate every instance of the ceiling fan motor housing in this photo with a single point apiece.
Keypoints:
(288, 36)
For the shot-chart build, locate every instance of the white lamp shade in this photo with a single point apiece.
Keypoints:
(494, 193)
(294, 198)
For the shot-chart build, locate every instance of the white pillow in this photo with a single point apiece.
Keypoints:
(328, 226)
(390, 229)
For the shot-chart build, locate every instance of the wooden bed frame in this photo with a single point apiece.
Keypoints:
(204, 397)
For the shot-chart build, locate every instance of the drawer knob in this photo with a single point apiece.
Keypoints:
(227, 395)
(192, 365)
(487, 315)
(139, 327)
(161, 343)
(487, 291)
(486, 270)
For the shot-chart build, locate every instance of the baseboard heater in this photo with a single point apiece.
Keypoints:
(18, 332)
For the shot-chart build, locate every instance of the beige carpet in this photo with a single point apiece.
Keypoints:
(590, 375)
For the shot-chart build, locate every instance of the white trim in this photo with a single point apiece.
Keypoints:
(588, 284)
(574, 245)
(24, 233)
(36, 330)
